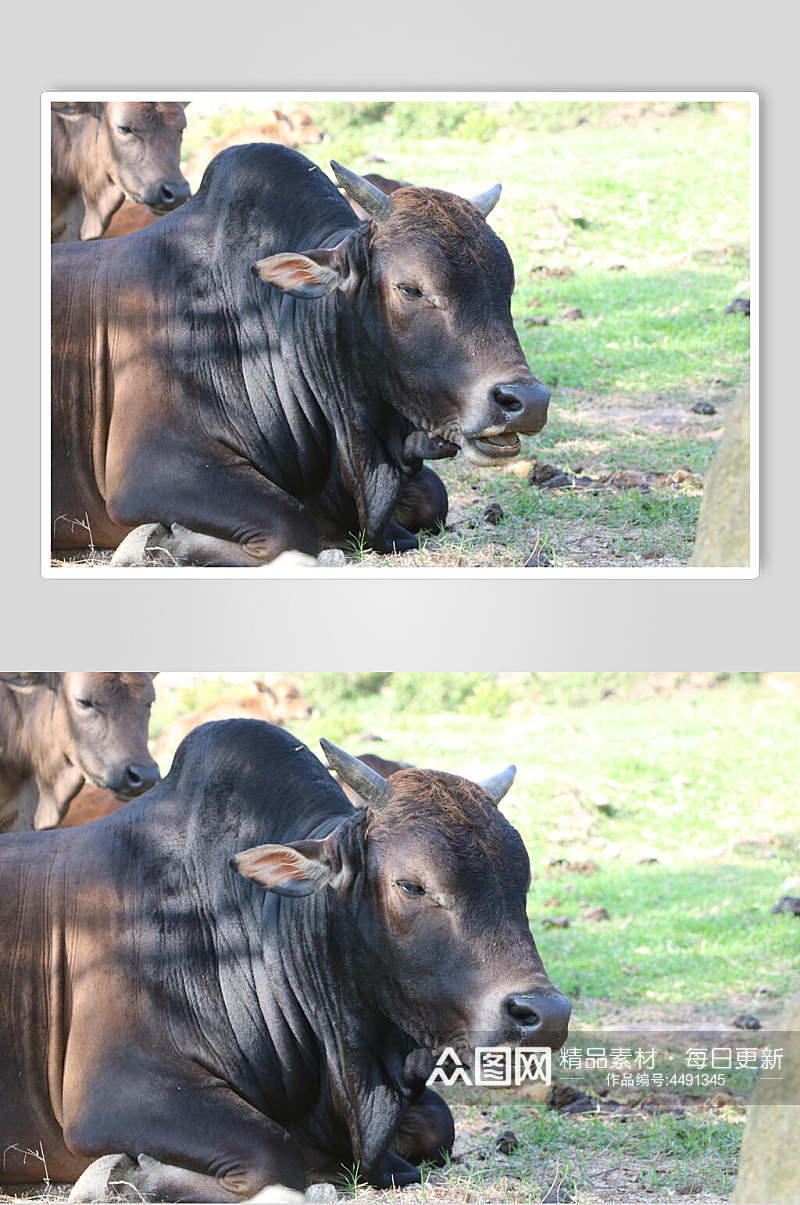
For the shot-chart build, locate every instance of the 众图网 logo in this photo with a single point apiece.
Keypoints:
(494, 1067)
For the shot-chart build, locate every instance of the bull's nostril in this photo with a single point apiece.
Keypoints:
(520, 1010)
(508, 401)
(132, 777)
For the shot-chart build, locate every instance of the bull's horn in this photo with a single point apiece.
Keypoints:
(486, 201)
(371, 199)
(499, 784)
(370, 786)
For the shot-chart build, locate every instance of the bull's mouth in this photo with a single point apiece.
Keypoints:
(491, 449)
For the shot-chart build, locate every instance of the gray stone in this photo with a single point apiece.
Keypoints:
(332, 558)
(723, 530)
(321, 1192)
(769, 1165)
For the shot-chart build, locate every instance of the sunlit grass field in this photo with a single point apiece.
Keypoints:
(640, 221)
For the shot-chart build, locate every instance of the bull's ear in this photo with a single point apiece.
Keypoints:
(297, 869)
(310, 274)
(27, 681)
(72, 109)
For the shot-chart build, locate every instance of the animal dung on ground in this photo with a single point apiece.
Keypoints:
(787, 903)
(746, 1021)
(507, 1142)
(494, 513)
(599, 913)
(703, 408)
(739, 305)
(555, 922)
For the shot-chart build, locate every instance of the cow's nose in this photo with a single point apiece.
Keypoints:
(544, 1019)
(524, 404)
(171, 195)
(140, 777)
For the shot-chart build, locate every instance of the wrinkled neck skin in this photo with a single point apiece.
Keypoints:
(361, 1053)
(37, 779)
(259, 991)
(305, 1046)
(338, 397)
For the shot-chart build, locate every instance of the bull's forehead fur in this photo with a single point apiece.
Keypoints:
(115, 687)
(431, 215)
(143, 114)
(447, 806)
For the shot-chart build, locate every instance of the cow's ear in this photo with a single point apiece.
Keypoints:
(297, 869)
(72, 109)
(28, 681)
(310, 274)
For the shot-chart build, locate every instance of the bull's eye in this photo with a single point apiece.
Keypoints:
(410, 291)
(124, 129)
(86, 703)
(412, 889)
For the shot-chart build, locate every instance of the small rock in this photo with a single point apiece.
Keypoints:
(321, 1192)
(787, 903)
(739, 305)
(493, 513)
(555, 922)
(538, 559)
(703, 408)
(572, 313)
(746, 1021)
(599, 913)
(332, 558)
(507, 1142)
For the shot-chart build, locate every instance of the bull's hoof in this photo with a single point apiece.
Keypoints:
(107, 1179)
(133, 549)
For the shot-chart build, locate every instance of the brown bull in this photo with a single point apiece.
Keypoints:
(295, 128)
(276, 702)
(105, 151)
(58, 730)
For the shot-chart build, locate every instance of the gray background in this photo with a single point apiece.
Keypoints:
(410, 623)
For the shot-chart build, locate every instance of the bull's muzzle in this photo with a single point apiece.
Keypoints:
(518, 408)
(128, 781)
(167, 196)
(540, 1019)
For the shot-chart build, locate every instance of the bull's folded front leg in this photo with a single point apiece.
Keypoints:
(425, 1132)
(394, 538)
(222, 516)
(190, 1140)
